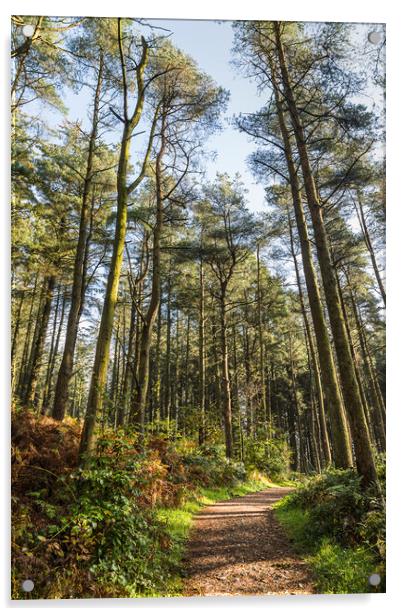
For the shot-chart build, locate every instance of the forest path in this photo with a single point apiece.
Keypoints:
(237, 547)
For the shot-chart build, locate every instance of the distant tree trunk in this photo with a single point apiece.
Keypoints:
(293, 412)
(15, 335)
(360, 434)
(261, 346)
(158, 389)
(201, 354)
(17, 326)
(39, 342)
(225, 376)
(67, 362)
(25, 351)
(128, 368)
(247, 369)
(355, 358)
(53, 355)
(316, 440)
(236, 401)
(167, 388)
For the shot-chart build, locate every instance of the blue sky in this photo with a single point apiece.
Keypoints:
(210, 43)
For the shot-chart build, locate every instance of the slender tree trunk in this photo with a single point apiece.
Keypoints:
(293, 412)
(225, 378)
(313, 357)
(341, 453)
(67, 362)
(236, 401)
(369, 245)
(261, 345)
(360, 434)
(99, 372)
(17, 326)
(128, 369)
(25, 350)
(356, 362)
(316, 441)
(247, 369)
(167, 388)
(201, 354)
(39, 342)
(15, 336)
(150, 317)
(52, 358)
(378, 423)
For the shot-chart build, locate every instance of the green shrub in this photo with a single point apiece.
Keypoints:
(271, 456)
(342, 526)
(208, 466)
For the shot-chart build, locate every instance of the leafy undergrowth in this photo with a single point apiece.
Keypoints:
(116, 528)
(339, 529)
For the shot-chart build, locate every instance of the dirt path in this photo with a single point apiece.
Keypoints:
(237, 547)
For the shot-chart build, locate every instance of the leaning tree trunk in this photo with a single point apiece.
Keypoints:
(378, 423)
(99, 372)
(360, 434)
(39, 342)
(316, 371)
(66, 366)
(369, 245)
(341, 454)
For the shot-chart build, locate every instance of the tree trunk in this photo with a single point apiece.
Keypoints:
(39, 342)
(99, 372)
(341, 454)
(150, 317)
(201, 354)
(52, 358)
(293, 412)
(225, 379)
(67, 362)
(378, 423)
(360, 434)
(25, 351)
(261, 346)
(369, 245)
(313, 357)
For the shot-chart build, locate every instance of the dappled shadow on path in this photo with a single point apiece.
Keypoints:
(238, 547)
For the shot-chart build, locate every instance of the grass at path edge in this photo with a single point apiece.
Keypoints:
(336, 569)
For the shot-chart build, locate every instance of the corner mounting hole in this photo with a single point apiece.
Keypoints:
(27, 585)
(28, 30)
(374, 579)
(374, 37)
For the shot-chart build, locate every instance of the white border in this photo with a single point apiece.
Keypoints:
(385, 11)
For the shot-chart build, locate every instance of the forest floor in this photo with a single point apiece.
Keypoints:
(237, 547)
